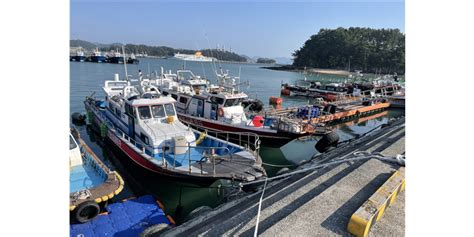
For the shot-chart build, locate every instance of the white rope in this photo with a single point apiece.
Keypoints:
(260, 208)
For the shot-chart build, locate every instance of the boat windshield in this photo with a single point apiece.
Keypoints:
(232, 102)
(72, 143)
(199, 87)
(158, 111)
(185, 75)
(144, 112)
(170, 110)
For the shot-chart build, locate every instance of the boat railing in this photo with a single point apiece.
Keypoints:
(248, 140)
(209, 155)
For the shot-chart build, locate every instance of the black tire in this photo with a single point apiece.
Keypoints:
(197, 212)
(155, 230)
(86, 211)
(328, 140)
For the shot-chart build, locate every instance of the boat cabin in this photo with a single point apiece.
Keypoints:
(144, 114)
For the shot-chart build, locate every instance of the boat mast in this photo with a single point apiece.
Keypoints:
(124, 62)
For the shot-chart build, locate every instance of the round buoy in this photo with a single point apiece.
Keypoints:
(257, 121)
(275, 100)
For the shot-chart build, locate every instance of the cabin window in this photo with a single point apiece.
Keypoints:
(174, 96)
(144, 112)
(170, 110)
(144, 138)
(217, 100)
(72, 143)
(129, 110)
(158, 111)
(183, 100)
(232, 102)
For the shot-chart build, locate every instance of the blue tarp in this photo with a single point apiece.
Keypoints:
(129, 218)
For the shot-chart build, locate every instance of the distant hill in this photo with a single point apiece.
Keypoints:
(266, 60)
(284, 60)
(82, 43)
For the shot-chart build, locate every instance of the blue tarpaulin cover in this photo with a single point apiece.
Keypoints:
(129, 218)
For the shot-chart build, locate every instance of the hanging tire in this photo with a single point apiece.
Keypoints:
(86, 211)
(327, 141)
(155, 230)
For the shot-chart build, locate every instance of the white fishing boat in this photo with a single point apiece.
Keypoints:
(218, 108)
(143, 124)
(197, 57)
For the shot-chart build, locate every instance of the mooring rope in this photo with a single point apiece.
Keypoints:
(260, 208)
(399, 159)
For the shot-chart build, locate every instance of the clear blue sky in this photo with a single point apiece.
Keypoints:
(270, 29)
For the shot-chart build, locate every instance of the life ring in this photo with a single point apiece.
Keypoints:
(86, 211)
(220, 112)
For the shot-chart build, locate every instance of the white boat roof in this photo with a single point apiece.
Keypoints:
(153, 101)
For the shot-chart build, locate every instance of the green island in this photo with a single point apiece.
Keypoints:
(355, 48)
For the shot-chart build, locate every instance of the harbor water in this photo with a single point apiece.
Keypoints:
(181, 198)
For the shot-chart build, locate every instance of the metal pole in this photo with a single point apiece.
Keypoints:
(189, 158)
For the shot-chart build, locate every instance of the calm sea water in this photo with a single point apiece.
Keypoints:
(181, 198)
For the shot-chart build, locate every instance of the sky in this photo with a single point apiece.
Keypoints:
(263, 28)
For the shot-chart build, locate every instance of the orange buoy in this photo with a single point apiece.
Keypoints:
(285, 91)
(275, 100)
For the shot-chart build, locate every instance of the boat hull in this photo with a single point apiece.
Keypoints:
(98, 59)
(271, 139)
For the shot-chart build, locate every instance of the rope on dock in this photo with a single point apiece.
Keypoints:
(399, 159)
(260, 208)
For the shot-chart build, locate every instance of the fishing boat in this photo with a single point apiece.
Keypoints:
(198, 57)
(115, 57)
(97, 57)
(92, 183)
(132, 59)
(218, 108)
(329, 92)
(143, 124)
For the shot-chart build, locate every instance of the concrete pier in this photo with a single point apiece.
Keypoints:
(318, 202)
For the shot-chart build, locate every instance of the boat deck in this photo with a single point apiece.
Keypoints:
(84, 177)
(235, 167)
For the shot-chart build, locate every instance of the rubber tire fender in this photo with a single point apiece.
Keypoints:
(155, 230)
(89, 206)
(327, 141)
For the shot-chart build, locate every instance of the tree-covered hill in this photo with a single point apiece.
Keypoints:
(369, 50)
(266, 60)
